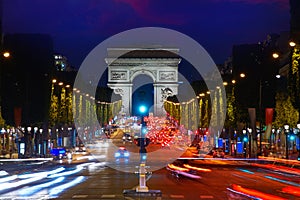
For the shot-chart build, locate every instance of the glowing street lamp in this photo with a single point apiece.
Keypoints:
(6, 54)
(275, 55)
(286, 127)
(292, 43)
(242, 75)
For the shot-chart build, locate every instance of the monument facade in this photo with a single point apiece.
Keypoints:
(161, 64)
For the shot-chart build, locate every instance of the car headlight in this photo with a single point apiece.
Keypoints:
(117, 154)
(126, 154)
(83, 148)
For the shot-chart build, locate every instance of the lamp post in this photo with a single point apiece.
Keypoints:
(250, 134)
(245, 139)
(286, 127)
(298, 132)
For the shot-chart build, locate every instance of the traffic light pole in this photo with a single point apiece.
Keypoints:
(142, 171)
(142, 190)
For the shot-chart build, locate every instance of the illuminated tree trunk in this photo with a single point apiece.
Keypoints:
(75, 106)
(62, 107)
(87, 111)
(206, 114)
(53, 110)
(69, 105)
(80, 112)
(200, 115)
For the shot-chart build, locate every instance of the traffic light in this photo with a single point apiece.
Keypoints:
(245, 139)
(142, 142)
(142, 109)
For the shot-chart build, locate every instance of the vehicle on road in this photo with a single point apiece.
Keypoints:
(122, 152)
(80, 148)
(58, 153)
(218, 153)
(127, 137)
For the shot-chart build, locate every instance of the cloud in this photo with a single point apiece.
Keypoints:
(143, 9)
(284, 3)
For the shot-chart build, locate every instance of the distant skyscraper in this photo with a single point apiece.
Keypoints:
(26, 78)
(61, 62)
(1, 16)
(295, 18)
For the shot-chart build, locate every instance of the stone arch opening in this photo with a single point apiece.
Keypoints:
(159, 64)
(142, 94)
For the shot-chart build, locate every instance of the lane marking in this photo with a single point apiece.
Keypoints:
(80, 196)
(177, 196)
(108, 196)
(206, 197)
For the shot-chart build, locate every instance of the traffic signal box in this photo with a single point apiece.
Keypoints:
(142, 143)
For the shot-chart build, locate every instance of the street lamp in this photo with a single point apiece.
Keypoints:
(275, 55)
(298, 132)
(286, 127)
(245, 139)
(250, 134)
(6, 54)
(292, 43)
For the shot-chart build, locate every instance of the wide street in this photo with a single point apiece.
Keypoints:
(94, 180)
(93, 175)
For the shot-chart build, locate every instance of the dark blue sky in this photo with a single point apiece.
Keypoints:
(77, 26)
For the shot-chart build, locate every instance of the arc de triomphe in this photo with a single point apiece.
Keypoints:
(161, 64)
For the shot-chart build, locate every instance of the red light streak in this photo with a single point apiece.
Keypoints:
(174, 167)
(255, 193)
(291, 190)
(197, 168)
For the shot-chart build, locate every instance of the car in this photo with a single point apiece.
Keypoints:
(58, 153)
(127, 137)
(218, 153)
(80, 148)
(122, 152)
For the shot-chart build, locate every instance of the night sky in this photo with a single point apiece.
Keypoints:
(77, 26)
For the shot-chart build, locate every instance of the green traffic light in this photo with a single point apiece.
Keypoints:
(142, 109)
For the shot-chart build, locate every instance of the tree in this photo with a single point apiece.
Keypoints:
(285, 111)
(2, 121)
(62, 107)
(294, 78)
(231, 110)
(69, 107)
(53, 111)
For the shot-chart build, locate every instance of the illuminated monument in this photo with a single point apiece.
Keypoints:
(160, 64)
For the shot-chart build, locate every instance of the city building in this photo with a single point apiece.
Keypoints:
(25, 78)
(254, 68)
(60, 62)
